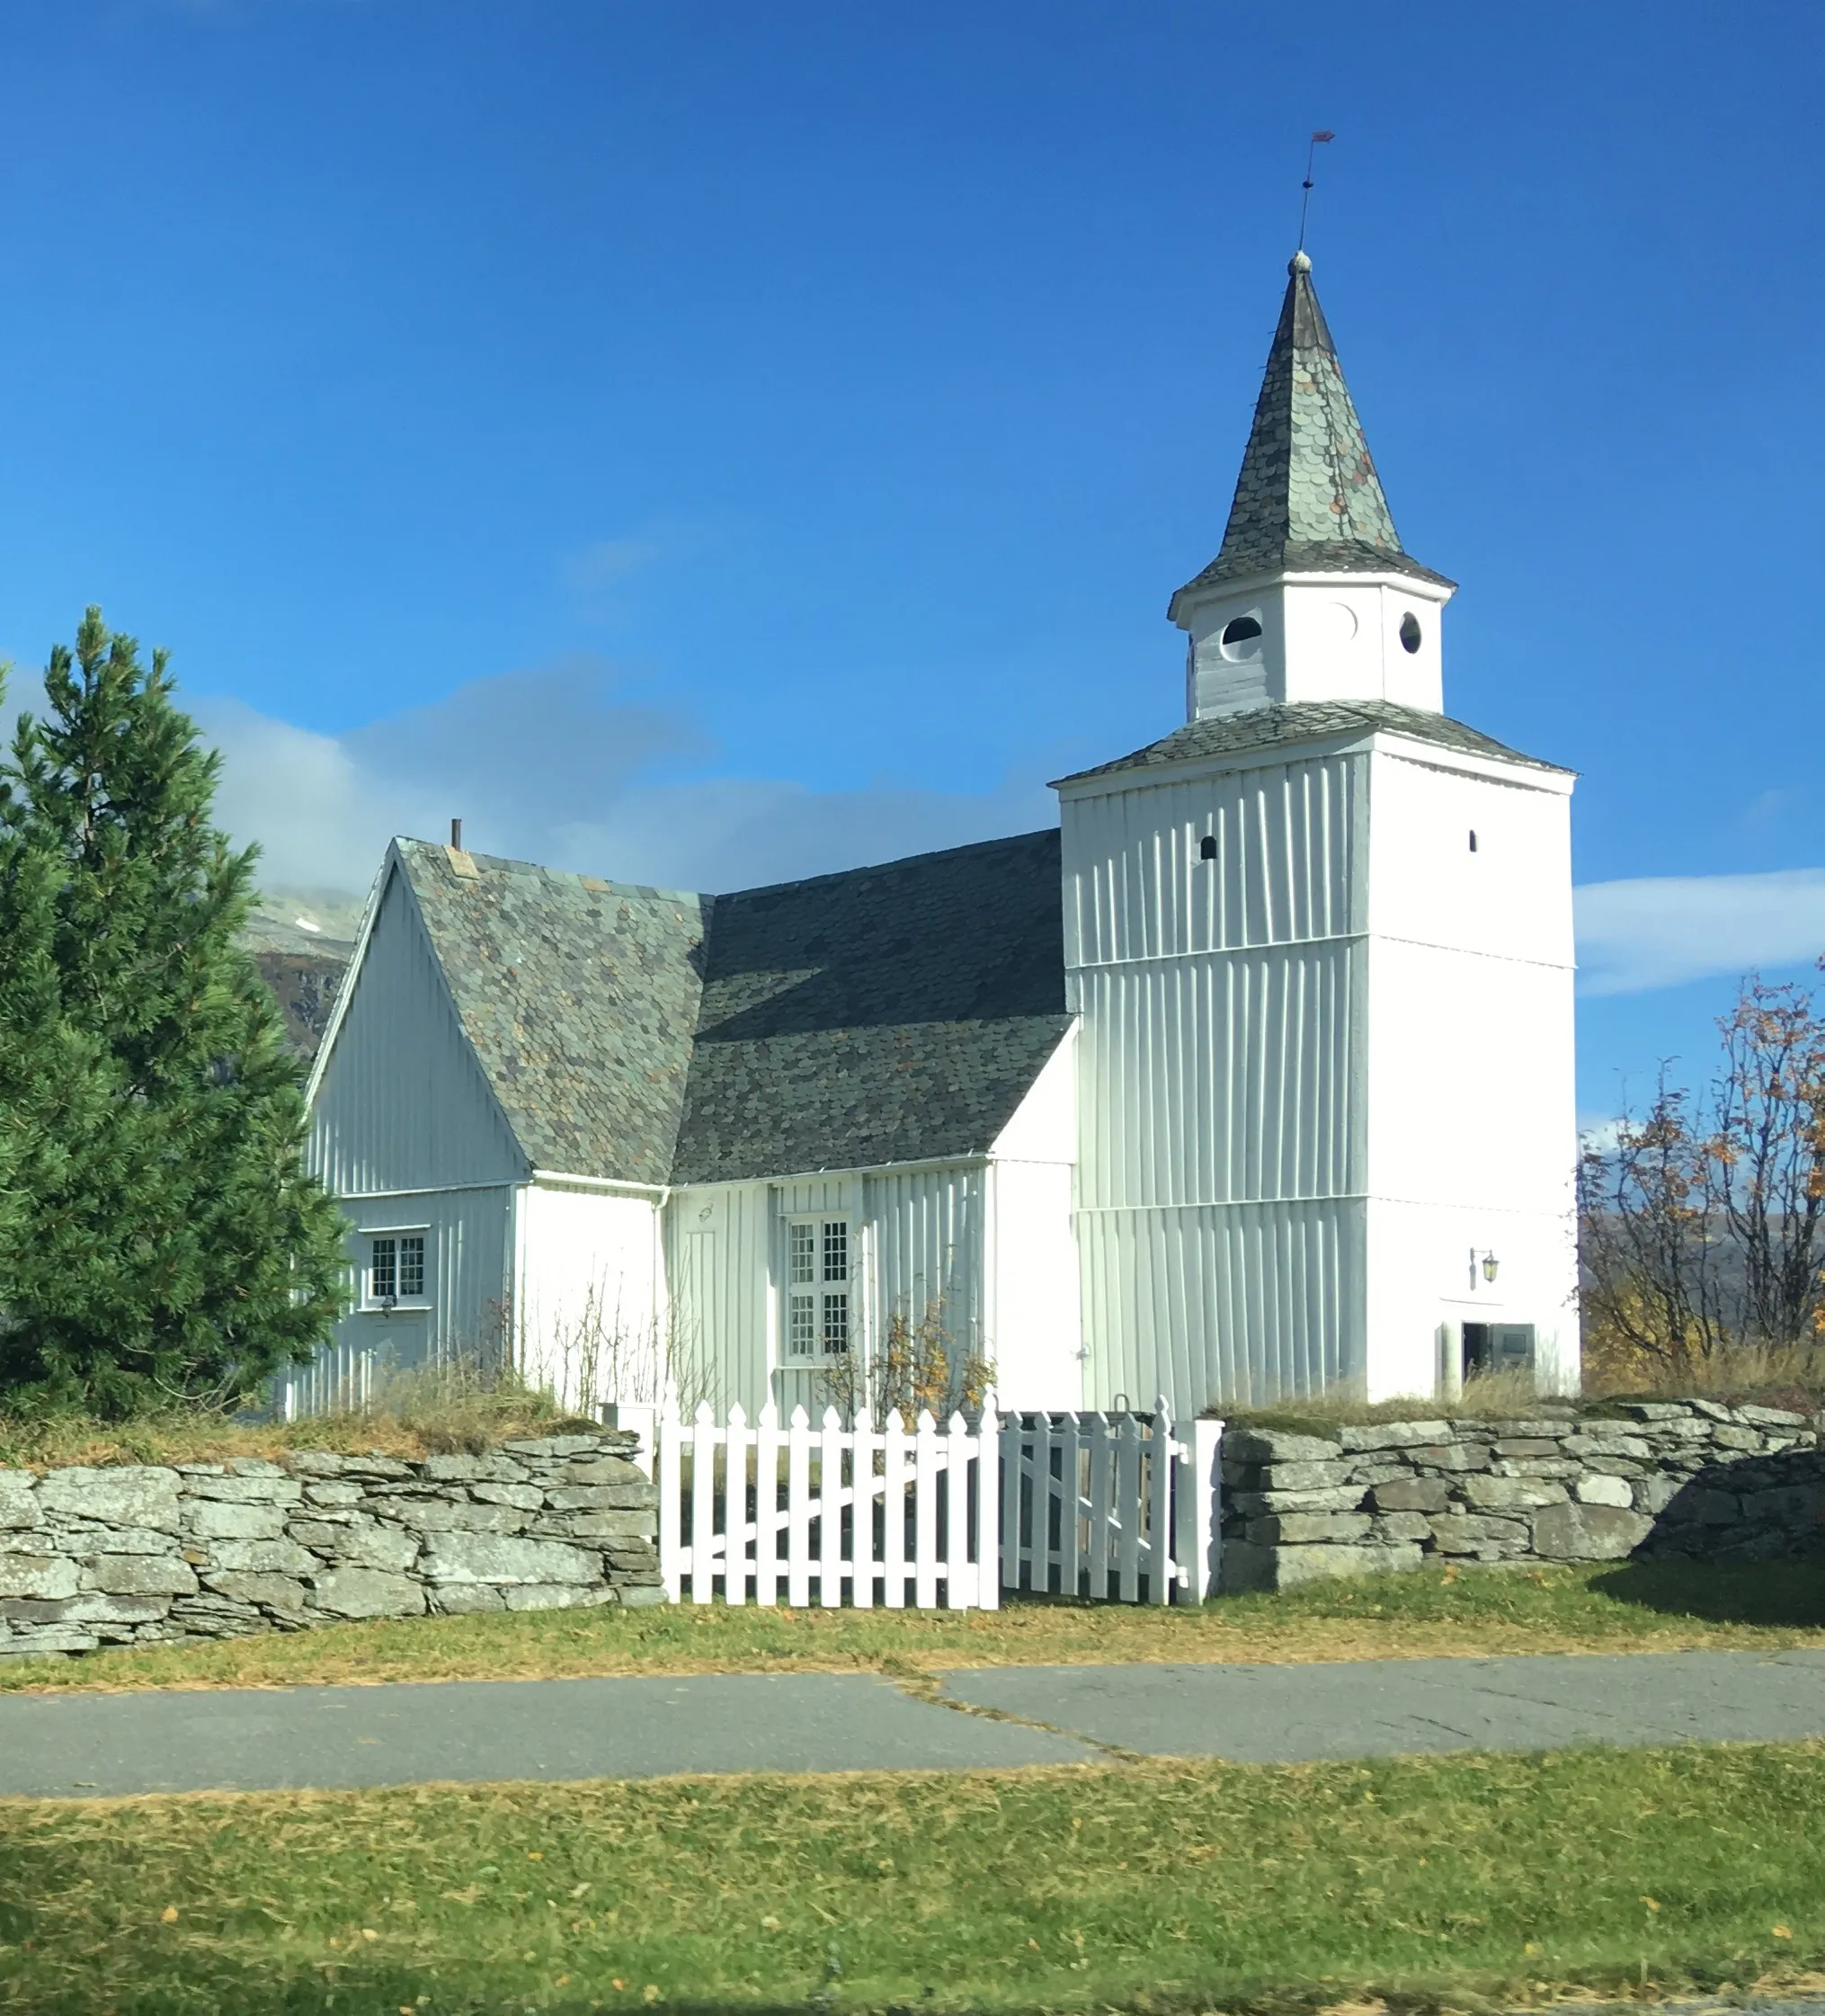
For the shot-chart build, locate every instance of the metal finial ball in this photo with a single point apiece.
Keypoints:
(1300, 263)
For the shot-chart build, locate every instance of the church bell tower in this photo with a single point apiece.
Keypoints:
(1311, 596)
(1319, 941)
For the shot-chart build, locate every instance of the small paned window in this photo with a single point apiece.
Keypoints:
(395, 1268)
(817, 1289)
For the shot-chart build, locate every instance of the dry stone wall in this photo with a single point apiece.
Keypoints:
(154, 1553)
(1654, 1478)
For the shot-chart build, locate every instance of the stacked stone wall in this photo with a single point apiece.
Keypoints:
(148, 1553)
(1690, 1479)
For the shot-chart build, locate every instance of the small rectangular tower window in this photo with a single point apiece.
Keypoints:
(1473, 840)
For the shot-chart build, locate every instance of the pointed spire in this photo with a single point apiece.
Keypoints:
(1308, 499)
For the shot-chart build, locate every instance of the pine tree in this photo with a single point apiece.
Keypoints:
(46, 1075)
(173, 1248)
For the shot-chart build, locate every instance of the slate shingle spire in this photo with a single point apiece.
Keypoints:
(1308, 500)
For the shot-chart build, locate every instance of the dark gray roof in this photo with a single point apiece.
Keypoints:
(1308, 499)
(887, 1014)
(1268, 727)
(579, 997)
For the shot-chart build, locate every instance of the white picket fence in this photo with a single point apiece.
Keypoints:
(865, 1516)
(1118, 1506)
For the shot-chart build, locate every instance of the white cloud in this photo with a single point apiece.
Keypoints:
(548, 765)
(1661, 931)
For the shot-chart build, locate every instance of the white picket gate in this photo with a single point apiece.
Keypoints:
(867, 1515)
(1099, 1505)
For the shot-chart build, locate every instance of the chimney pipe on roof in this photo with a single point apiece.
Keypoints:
(455, 833)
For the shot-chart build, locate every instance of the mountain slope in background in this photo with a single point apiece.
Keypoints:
(302, 941)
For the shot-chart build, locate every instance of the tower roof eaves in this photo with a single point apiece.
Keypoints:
(1309, 563)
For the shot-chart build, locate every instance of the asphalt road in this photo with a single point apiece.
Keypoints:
(97, 1745)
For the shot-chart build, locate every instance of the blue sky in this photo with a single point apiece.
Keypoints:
(704, 441)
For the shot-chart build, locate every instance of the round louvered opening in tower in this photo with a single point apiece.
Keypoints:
(1241, 638)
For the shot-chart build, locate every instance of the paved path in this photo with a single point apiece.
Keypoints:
(1381, 1707)
(76, 1746)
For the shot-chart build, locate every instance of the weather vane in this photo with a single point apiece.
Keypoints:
(1318, 140)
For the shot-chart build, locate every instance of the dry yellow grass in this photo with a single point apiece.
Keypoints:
(1443, 1614)
(460, 1407)
(1423, 1884)
(445, 1411)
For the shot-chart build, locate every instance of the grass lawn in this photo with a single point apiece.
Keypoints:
(1440, 1612)
(1157, 1887)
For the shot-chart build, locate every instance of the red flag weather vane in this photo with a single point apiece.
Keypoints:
(1319, 140)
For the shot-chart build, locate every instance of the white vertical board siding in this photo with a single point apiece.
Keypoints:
(718, 1259)
(1287, 836)
(1245, 1304)
(589, 1318)
(1221, 1163)
(926, 1229)
(1220, 1078)
(468, 1260)
(1033, 1317)
(916, 1248)
(401, 1102)
(1470, 1066)
(1032, 1304)
(916, 1244)
(1512, 897)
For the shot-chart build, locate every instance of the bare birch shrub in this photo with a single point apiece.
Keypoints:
(1702, 1229)
(1654, 1292)
(917, 1365)
(598, 1355)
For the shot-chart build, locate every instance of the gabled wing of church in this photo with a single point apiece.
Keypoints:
(610, 1104)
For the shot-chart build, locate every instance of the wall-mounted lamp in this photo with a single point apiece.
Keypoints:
(1491, 1266)
(388, 1303)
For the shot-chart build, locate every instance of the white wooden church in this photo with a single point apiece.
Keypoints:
(1253, 1077)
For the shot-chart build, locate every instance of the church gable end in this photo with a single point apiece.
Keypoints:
(399, 1100)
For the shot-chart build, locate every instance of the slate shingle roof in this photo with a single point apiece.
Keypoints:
(1268, 727)
(1308, 499)
(887, 1015)
(580, 999)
